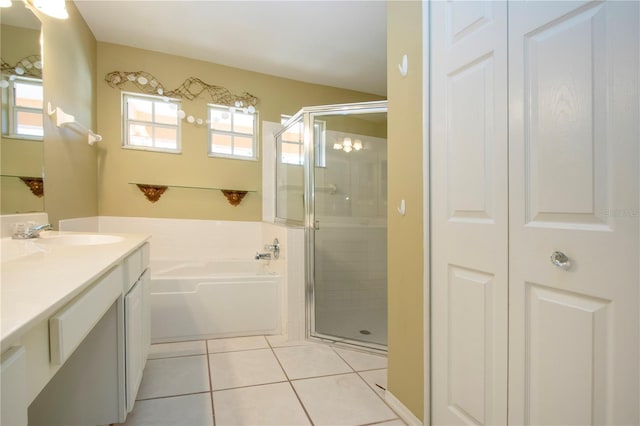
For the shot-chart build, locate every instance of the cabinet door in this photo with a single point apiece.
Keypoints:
(135, 347)
(145, 281)
(573, 147)
(13, 377)
(469, 212)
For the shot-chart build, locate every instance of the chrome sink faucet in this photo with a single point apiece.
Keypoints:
(31, 232)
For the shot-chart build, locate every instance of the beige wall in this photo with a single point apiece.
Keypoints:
(405, 233)
(69, 56)
(118, 167)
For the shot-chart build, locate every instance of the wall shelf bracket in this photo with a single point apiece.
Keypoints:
(234, 197)
(152, 192)
(35, 184)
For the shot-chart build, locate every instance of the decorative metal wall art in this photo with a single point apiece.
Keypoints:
(190, 89)
(29, 66)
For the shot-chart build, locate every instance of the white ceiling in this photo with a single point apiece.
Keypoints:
(331, 42)
(19, 16)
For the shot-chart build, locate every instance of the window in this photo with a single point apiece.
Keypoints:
(232, 133)
(25, 100)
(151, 122)
(292, 144)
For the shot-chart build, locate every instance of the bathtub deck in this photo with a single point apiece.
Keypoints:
(261, 380)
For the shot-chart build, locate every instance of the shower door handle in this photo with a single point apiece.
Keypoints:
(316, 225)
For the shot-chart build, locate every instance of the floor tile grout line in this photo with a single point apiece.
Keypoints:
(306, 413)
(173, 356)
(288, 379)
(172, 396)
(353, 371)
(377, 394)
(342, 358)
(250, 386)
(209, 371)
(304, 408)
(238, 350)
(381, 422)
(280, 364)
(241, 349)
(374, 390)
(323, 375)
(371, 369)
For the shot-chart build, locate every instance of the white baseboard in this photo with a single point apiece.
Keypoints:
(405, 414)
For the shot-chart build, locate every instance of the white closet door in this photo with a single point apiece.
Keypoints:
(469, 212)
(573, 148)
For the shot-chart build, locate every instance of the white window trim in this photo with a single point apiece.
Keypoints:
(125, 123)
(13, 109)
(321, 156)
(211, 131)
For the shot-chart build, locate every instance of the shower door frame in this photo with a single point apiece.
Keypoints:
(310, 113)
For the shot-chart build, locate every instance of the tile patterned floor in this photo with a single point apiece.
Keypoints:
(261, 381)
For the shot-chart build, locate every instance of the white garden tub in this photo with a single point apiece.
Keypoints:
(204, 300)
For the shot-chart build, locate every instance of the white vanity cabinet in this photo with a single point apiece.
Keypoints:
(137, 322)
(82, 361)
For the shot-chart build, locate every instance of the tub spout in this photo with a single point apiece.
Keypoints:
(263, 256)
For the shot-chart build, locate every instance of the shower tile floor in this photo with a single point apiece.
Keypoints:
(261, 380)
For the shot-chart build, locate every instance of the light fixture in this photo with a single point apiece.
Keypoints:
(5, 3)
(347, 145)
(54, 8)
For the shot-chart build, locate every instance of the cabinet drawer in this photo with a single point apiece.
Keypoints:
(71, 324)
(134, 266)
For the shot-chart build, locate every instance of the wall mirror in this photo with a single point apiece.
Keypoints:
(21, 147)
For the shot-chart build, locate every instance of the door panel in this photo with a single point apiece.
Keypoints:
(558, 367)
(565, 95)
(573, 165)
(470, 327)
(469, 212)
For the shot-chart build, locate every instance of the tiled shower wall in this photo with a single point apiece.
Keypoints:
(351, 280)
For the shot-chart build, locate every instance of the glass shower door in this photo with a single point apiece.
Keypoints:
(349, 214)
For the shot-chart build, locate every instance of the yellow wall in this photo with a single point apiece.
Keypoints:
(118, 167)
(69, 59)
(405, 233)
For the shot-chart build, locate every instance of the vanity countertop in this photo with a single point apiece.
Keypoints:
(39, 276)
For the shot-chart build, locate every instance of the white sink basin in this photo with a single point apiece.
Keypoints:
(78, 239)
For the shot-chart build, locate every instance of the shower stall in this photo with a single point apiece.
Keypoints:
(331, 178)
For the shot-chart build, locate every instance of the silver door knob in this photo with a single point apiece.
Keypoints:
(560, 260)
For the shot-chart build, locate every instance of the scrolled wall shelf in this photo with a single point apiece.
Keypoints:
(153, 192)
(35, 184)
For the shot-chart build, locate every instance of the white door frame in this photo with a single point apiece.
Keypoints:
(426, 194)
